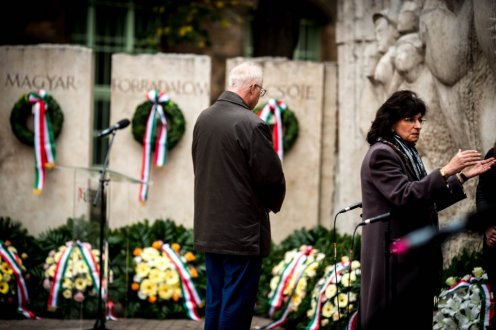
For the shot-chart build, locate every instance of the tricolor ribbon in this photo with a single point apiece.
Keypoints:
(271, 113)
(156, 131)
(297, 272)
(191, 297)
(334, 277)
(291, 269)
(486, 300)
(110, 311)
(44, 142)
(61, 268)
(22, 291)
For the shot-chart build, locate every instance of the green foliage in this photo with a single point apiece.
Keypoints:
(463, 263)
(187, 22)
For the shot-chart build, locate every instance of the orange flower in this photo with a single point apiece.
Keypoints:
(157, 245)
(193, 272)
(175, 297)
(189, 256)
(152, 299)
(135, 286)
(176, 247)
(137, 252)
(7, 243)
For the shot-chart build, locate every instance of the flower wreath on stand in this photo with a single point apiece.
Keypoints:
(466, 304)
(284, 124)
(289, 283)
(156, 122)
(48, 119)
(335, 297)
(12, 278)
(164, 276)
(73, 271)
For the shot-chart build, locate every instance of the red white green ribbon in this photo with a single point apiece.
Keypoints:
(298, 274)
(486, 300)
(271, 113)
(61, 268)
(290, 271)
(333, 277)
(110, 311)
(44, 142)
(156, 126)
(191, 297)
(22, 291)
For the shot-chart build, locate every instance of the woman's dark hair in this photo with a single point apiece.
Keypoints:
(401, 104)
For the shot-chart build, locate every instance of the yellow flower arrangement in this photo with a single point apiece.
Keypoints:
(155, 276)
(288, 285)
(76, 277)
(8, 284)
(331, 301)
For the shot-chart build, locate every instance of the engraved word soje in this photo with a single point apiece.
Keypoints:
(294, 91)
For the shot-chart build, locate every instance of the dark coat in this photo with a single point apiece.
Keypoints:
(485, 199)
(388, 185)
(238, 179)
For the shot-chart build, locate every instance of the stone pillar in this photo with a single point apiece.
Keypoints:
(186, 79)
(301, 85)
(66, 73)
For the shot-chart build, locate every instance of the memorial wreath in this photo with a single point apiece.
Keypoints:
(48, 120)
(156, 122)
(283, 122)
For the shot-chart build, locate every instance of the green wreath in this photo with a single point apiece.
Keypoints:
(22, 111)
(176, 124)
(290, 126)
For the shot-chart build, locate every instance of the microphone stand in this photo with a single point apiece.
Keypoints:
(388, 290)
(101, 317)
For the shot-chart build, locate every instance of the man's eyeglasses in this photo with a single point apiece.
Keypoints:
(262, 90)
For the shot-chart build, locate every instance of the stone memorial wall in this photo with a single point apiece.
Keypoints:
(186, 80)
(66, 74)
(308, 165)
(440, 49)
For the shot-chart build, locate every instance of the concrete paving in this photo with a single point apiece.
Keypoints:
(121, 324)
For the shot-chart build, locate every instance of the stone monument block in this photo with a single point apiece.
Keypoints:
(186, 79)
(300, 85)
(66, 73)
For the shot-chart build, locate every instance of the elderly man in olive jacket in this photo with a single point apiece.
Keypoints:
(238, 180)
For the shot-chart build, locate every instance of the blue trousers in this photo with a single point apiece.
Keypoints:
(232, 285)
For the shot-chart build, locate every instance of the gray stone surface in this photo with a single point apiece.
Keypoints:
(186, 79)
(65, 72)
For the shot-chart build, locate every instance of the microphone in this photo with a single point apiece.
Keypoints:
(426, 235)
(351, 207)
(379, 217)
(123, 123)
(477, 222)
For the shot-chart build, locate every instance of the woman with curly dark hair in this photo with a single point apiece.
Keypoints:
(394, 180)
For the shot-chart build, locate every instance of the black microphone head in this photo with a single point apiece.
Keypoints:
(123, 123)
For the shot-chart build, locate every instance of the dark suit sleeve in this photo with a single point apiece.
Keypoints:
(485, 196)
(266, 169)
(395, 185)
